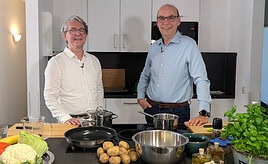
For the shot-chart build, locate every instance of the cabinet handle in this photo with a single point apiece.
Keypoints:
(124, 41)
(130, 102)
(115, 41)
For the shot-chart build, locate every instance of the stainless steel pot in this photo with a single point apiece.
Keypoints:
(159, 146)
(101, 117)
(164, 121)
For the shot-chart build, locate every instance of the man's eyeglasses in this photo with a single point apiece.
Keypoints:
(161, 19)
(73, 31)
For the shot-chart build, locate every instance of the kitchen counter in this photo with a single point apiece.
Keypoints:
(58, 147)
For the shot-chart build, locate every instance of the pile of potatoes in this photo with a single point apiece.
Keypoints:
(116, 154)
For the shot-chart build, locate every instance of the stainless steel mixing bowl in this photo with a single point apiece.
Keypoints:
(159, 146)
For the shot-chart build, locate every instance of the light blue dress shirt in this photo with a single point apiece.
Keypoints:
(170, 71)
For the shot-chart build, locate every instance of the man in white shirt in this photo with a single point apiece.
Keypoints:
(73, 78)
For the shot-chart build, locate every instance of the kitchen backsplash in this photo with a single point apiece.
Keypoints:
(133, 64)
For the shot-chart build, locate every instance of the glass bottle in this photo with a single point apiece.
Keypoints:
(199, 158)
(216, 153)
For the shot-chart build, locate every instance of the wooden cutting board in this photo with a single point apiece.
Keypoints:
(113, 79)
(201, 129)
(58, 130)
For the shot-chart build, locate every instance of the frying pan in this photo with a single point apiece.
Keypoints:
(89, 137)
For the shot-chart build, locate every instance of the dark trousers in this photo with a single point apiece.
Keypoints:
(183, 113)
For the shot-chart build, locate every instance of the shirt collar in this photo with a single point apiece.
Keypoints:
(175, 39)
(70, 54)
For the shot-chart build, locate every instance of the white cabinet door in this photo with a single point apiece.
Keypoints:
(119, 25)
(62, 10)
(188, 9)
(103, 25)
(126, 109)
(135, 25)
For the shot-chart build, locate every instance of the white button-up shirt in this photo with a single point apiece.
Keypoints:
(72, 86)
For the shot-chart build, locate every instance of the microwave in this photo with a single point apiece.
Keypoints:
(185, 28)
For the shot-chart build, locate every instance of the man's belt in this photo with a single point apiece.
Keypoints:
(167, 105)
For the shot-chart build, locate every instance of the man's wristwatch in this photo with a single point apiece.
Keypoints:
(204, 113)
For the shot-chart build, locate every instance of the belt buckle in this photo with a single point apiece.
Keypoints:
(158, 104)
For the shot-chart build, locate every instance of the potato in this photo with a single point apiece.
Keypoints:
(115, 160)
(106, 145)
(104, 158)
(122, 151)
(113, 151)
(132, 149)
(100, 151)
(124, 144)
(125, 159)
(133, 156)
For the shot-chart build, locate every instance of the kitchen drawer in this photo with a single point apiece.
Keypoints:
(126, 109)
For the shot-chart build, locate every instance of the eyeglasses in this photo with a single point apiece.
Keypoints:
(171, 18)
(73, 31)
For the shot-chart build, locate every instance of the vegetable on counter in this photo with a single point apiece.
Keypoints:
(29, 150)
(19, 153)
(3, 146)
(10, 140)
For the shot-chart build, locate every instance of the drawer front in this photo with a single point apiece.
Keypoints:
(126, 109)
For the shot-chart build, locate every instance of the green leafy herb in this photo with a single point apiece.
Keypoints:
(250, 130)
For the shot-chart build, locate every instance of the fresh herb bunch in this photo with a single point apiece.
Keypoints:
(250, 130)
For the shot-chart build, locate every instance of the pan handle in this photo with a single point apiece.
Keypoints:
(115, 116)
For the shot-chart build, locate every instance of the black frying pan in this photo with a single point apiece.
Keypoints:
(89, 137)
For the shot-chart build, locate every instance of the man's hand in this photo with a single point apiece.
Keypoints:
(72, 121)
(144, 104)
(197, 121)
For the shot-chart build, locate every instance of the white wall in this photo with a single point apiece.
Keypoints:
(13, 101)
(235, 26)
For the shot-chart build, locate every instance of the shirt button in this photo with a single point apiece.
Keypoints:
(158, 85)
(159, 74)
(161, 65)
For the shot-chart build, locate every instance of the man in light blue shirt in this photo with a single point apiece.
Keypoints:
(173, 64)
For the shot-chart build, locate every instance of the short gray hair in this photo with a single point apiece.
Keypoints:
(64, 27)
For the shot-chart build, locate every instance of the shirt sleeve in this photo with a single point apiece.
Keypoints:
(197, 70)
(52, 91)
(100, 92)
(144, 79)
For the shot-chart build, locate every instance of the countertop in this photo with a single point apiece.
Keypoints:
(58, 147)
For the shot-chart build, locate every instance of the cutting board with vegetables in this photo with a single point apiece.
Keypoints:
(203, 129)
(58, 129)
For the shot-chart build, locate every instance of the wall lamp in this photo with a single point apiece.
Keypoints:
(16, 38)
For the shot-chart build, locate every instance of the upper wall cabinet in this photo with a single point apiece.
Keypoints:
(62, 10)
(188, 9)
(119, 25)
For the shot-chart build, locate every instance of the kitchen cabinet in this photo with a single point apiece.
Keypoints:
(119, 25)
(126, 109)
(188, 9)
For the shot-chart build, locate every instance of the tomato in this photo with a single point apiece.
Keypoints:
(3, 147)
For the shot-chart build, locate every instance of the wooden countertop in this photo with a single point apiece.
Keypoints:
(58, 130)
(201, 129)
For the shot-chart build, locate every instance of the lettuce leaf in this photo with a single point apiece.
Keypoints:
(35, 141)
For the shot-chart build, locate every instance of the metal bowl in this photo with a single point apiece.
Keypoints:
(159, 146)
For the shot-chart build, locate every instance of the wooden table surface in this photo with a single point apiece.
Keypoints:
(201, 129)
(57, 130)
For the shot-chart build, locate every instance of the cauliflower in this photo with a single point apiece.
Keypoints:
(18, 153)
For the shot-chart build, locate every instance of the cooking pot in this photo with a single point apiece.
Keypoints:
(159, 146)
(100, 117)
(89, 137)
(164, 121)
